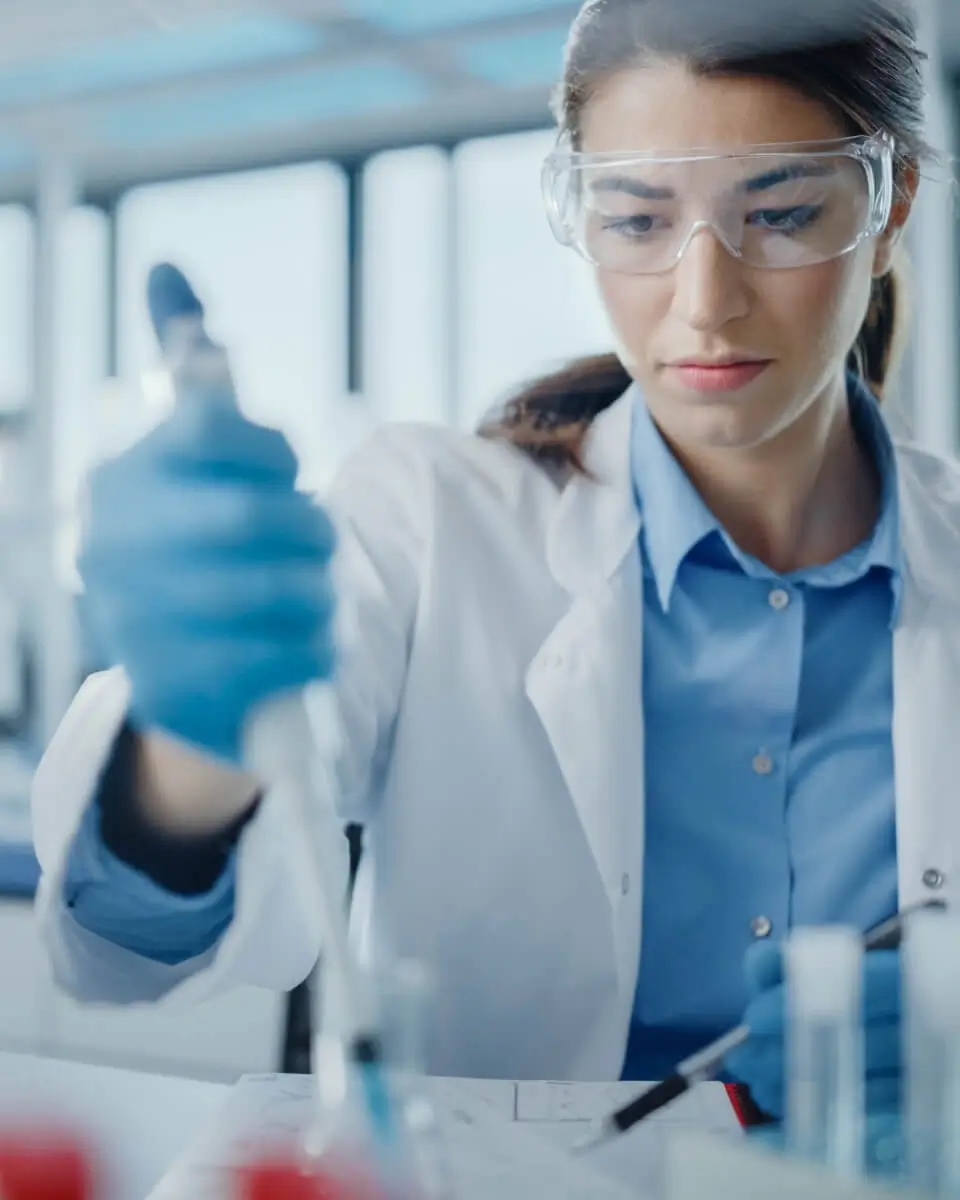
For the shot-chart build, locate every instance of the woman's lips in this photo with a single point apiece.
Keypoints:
(721, 377)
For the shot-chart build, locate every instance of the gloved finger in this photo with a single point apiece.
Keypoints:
(766, 1014)
(757, 1058)
(266, 523)
(763, 966)
(217, 440)
(290, 600)
(769, 1095)
(217, 653)
(881, 985)
(226, 666)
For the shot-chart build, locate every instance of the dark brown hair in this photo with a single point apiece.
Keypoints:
(859, 57)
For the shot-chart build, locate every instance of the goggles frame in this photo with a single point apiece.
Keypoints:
(875, 153)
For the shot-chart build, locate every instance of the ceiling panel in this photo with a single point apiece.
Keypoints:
(320, 94)
(153, 54)
(417, 16)
(519, 59)
(51, 26)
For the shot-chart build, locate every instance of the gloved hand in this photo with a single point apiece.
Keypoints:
(207, 575)
(760, 1061)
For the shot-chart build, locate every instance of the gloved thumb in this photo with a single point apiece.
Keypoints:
(763, 967)
(197, 365)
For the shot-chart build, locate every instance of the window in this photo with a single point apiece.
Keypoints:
(267, 253)
(16, 307)
(406, 284)
(81, 361)
(525, 304)
(80, 371)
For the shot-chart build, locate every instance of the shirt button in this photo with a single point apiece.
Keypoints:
(763, 764)
(778, 599)
(625, 885)
(761, 927)
(933, 879)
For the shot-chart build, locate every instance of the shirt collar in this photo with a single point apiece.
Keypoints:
(676, 520)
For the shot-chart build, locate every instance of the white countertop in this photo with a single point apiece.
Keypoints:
(142, 1121)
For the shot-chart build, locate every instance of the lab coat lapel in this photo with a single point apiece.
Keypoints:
(585, 681)
(926, 670)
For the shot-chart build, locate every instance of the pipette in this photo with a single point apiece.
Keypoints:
(825, 1119)
(289, 746)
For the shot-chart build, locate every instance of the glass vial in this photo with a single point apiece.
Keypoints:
(825, 1065)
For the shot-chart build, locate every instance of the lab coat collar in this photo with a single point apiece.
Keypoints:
(597, 522)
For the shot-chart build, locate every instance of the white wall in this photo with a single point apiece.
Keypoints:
(525, 304)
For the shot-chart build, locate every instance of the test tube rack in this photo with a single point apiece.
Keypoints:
(706, 1167)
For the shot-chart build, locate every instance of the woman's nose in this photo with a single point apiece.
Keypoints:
(709, 284)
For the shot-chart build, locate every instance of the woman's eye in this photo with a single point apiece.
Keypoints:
(786, 220)
(637, 226)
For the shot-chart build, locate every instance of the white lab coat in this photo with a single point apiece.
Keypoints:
(494, 748)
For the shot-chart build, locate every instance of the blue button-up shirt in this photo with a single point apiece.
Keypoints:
(769, 758)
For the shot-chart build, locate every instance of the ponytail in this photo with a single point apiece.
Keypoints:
(877, 350)
(549, 418)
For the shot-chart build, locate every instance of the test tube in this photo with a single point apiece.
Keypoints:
(405, 990)
(825, 1072)
(931, 966)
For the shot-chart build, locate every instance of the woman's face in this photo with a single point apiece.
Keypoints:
(800, 322)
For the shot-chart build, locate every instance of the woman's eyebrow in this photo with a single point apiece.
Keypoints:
(632, 186)
(783, 174)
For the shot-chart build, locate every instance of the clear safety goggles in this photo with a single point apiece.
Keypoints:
(774, 206)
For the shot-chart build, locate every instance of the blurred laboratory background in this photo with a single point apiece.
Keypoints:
(353, 185)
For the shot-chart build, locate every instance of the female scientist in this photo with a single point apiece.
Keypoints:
(661, 663)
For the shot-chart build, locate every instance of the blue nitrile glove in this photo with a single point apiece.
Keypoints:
(760, 1061)
(207, 574)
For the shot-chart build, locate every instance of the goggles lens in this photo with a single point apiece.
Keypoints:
(637, 214)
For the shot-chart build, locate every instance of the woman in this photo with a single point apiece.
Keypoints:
(680, 628)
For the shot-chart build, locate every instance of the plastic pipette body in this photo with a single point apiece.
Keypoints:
(288, 744)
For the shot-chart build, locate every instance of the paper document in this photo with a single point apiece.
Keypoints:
(504, 1140)
(562, 1112)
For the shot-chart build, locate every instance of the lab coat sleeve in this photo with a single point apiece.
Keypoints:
(378, 504)
(110, 898)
